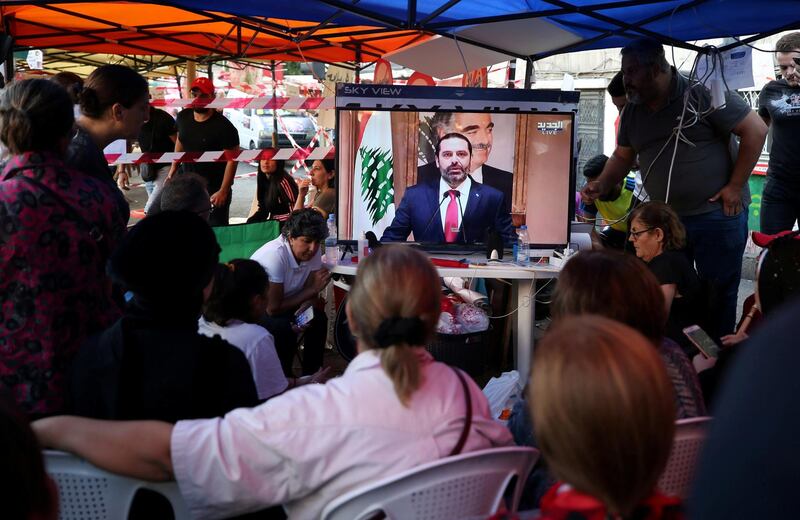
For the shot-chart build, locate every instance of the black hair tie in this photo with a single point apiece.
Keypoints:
(394, 331)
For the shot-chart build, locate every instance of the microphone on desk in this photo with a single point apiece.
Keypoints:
(494, 242)
(372, 240)
(435, 212)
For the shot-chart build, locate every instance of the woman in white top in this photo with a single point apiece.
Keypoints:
(394, 408)
(236, 303)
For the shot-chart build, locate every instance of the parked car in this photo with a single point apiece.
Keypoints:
(255, 127)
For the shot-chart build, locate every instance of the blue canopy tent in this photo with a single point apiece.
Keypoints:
(362, 29)
(600, 24)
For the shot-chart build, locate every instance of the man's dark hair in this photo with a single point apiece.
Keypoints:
(452, 135)
(186, 252)
(788, 43)
(616, 88)
(306, 222)
(594, 166)
(647, 53)
(185, 192)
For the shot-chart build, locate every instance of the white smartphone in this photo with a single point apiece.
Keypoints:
(304, 317)
(702, 341)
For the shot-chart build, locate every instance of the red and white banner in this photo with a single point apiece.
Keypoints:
(760, 168)
(282, 103)
(287, 154)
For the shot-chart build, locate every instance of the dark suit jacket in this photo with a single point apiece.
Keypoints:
(496, 178)
(419, 212)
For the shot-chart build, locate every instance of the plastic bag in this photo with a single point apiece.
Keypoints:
(502, 392)
(461, 318)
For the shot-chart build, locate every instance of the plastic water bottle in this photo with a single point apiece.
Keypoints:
(331, 245)
(523, 246)
(363, 247)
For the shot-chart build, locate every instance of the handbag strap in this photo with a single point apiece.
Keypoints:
(381, 515)
(468, 419)
(93, 230)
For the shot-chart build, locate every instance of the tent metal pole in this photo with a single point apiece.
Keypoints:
(364, 13)
(191, 74)
(624, 25)
(578, 45)
(120, 27)
(98, 39)
(324, 23)
(750, 39)
(274, 113)
(539, 14)
(437, 12)
(358, 63)
(526, 83)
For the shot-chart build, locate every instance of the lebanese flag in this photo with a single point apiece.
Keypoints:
(373, 189)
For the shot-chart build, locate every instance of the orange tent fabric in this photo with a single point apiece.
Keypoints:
(150, 29)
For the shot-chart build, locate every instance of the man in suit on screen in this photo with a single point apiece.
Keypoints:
(478, 127)
(452, 208)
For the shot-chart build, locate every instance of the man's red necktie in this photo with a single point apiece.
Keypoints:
(451, 218)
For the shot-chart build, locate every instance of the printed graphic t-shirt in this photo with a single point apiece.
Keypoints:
(781, 103)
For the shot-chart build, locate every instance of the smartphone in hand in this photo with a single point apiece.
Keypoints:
(302, 319)
(704, 343)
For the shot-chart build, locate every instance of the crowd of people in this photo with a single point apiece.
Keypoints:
(140, 352)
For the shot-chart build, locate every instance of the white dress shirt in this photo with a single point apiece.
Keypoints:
(258, 346)
(463, 189)
(477, 174)
(278, 260)
(312, 444)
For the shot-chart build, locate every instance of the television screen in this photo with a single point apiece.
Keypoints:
(439, 165)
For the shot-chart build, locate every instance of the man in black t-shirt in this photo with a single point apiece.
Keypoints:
(157, 135)
(206, 130)
(779, 107)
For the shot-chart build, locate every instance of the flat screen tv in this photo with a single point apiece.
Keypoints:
(508, 153)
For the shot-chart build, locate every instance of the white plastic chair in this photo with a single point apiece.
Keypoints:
(85, 491)
(463, 486)
(689, 437)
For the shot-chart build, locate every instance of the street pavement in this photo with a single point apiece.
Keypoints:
(244, 189)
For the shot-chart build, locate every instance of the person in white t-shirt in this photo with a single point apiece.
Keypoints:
(235, 305)
(393, 409)
(293, 263)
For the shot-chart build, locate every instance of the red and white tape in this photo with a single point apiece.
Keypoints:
(287, 154)
(283, 103)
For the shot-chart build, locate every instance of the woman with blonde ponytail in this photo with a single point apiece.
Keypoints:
(390, 313)
(394, 408)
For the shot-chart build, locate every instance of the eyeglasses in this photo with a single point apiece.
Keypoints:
(635, 234)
